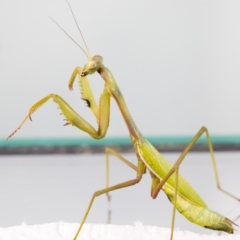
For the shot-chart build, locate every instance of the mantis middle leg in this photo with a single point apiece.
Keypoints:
(140, 169)
(72, 117)
(111, 151)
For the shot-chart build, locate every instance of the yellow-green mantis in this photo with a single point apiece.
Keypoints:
(164, 176)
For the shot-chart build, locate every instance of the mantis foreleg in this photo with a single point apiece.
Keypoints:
(73, 117)
(85, 89)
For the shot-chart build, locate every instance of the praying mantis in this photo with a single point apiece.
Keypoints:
(164, 176)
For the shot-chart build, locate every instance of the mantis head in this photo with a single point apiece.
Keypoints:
(94, 64)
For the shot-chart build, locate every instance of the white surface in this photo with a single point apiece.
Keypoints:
(66, 231)
(176, 62)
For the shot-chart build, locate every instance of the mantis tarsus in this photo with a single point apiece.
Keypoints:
(164, 176)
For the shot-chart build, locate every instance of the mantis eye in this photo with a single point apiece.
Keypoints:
(92, 65)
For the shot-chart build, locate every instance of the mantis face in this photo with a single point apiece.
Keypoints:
(94, 64)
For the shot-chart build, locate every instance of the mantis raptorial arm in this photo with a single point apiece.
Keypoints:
(85, 89)
(73, 117)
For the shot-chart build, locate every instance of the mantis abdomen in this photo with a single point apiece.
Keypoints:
(199, 215)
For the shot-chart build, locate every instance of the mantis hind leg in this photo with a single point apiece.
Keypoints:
(176, 166)
(140, 169)
(185, 152)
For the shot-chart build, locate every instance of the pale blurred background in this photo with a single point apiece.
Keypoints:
(177, 63)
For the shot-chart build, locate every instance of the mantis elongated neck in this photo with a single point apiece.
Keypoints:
(115, 91)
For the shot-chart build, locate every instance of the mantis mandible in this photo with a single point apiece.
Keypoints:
(164, 176)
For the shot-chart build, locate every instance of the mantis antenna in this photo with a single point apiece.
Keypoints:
(78, 27)
(86, 53)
